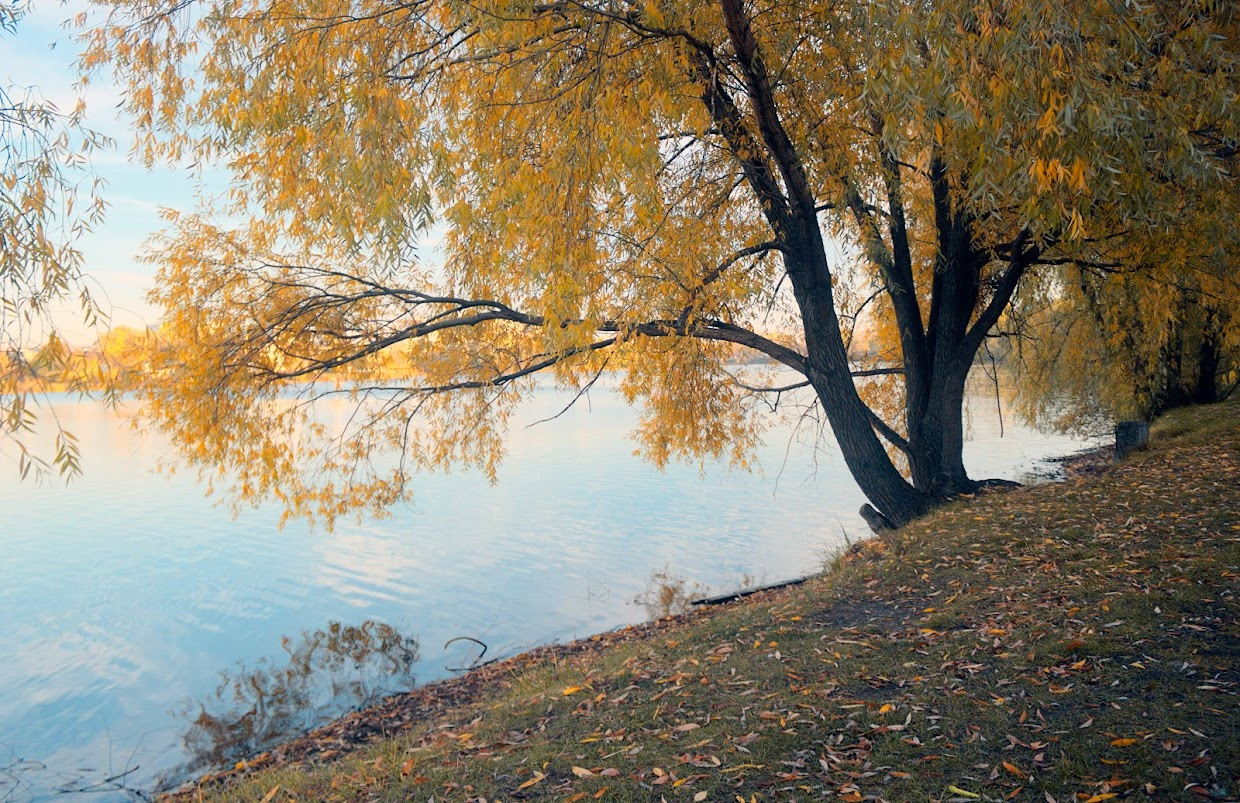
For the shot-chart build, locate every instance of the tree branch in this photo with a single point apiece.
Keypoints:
(889, 434)
(771, 128)
(293, 320)
(1022, 256)
(730, 123)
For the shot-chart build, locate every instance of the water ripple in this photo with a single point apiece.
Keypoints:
(128, 592)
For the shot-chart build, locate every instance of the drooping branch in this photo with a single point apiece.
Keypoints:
(510, 376)
(712, 330)
(780, 389)
(713, 275)
(761, 248)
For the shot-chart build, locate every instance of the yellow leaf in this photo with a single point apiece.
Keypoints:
(1101, 797)
(582, 772)
(956, 790)
(538, 776)
(572, 690)
(1123, 742)
(886, 707)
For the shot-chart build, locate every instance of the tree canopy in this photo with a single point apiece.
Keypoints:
(638, 185)
(1150, 328)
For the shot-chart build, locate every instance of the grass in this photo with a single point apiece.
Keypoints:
(1069, 642)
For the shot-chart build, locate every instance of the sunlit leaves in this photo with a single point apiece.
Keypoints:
(48, 201)
(615, 185)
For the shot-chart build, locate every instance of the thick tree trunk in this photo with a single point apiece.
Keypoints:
(867, 460)
(935, 375)
(935, 381)
(936, 437)
(778, 177)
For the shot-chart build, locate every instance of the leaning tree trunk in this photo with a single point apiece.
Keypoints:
(830, 374)
(789, 205)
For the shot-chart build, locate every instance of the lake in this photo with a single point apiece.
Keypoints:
(127, 598)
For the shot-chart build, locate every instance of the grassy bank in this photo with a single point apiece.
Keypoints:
(1070, 642)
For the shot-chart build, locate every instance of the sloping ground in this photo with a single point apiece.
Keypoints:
(1071, 642)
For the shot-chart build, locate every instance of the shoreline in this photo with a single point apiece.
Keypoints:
(1088, 462)
(1019, 649)
(400, 712)
(434, 699)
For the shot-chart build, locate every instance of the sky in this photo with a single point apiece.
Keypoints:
(42, 54)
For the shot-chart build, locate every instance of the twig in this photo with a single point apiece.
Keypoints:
(474, 664)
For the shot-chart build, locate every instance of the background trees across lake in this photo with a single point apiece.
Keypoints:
(645, 185)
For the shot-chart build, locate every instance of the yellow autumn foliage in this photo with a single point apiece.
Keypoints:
(49, 199)
(637, 187)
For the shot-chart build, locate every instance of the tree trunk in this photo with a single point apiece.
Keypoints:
(830, 374)
(935, 382)
(936, 437)
(1205, 390)
(867, 460)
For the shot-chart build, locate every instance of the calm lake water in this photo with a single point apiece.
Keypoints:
(127, 594)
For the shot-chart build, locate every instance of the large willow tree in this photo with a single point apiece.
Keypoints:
(636, 184)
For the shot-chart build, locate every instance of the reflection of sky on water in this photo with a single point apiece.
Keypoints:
(126, 593)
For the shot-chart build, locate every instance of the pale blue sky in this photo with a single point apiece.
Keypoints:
(42, 55)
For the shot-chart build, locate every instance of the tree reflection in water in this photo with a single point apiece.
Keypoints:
(322, 674)
(669, 594)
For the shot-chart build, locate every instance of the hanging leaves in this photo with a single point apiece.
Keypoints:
(646, 191)
(49, 200)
